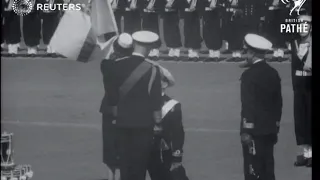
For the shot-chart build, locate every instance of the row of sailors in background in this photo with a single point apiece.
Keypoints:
(227, 20)
(32, 28)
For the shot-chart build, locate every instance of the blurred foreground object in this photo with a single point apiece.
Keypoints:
(9, 170)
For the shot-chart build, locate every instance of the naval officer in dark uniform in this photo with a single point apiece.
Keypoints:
(165, 161)
(261, 111)
(122, 48)
(301, 81)
(134, 94)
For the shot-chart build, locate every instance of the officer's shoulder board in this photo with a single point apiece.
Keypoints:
(168, 106)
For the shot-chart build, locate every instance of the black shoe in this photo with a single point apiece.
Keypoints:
(274, 59)
(217, 59)
(238, 59)
(301, 161)
(281, 59)
(231, 59)
(309, 164)
(196, 59)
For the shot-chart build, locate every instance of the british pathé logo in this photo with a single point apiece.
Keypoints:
(294, 25)
(296, 7)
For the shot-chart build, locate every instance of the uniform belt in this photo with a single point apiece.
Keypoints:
(231, 9)
(303, 73)
(149, 11)
(128, 9)
(188, 10)
(169, 10)
(208, 9)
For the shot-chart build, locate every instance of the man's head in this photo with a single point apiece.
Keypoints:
(306, 21)
(143, 41)
(123, 45)
(257, 46)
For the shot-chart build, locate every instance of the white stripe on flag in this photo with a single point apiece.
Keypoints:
(102, 17)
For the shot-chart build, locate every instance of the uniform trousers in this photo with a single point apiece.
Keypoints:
(132, 21)
(302, 116)
(171, 30)
(49, 25)
(109, 138)
(261, 165)
(118, 15)
(233, 31)
(134, 149)
(11, 29)
(192, 30)
(160, 163)
(212, 30)
(274, 20)
(159, 169)
(32, 29)
(150, 22)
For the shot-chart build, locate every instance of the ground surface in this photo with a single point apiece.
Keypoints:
(52, 108)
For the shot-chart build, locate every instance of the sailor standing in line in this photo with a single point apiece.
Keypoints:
(32, 30)
(233, 29)
(212, 33)
(166, 155)
(122, 48)
(192, 28)
(11, 28)
(150, 21)
(118, 7)
(132, 15)
(261, 110)
(301, 81)
(50, 21)
(277, 13)
(134, 94)
(171, 28)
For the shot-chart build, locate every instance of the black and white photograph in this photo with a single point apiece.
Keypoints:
(156, 90)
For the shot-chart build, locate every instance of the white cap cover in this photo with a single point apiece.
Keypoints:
(258, 42)
(125, 40)
(145, 37)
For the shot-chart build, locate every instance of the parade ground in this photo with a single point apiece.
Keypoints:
(51, 106)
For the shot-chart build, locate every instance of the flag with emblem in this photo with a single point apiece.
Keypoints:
(84, 35)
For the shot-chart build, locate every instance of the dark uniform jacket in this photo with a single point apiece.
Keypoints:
(261, 100)
(137, 107)
(173, 131)
(122, 4)
(206, 4)
(126, 4)
(299, 82)
(176, 4)
(186, 5)
(158, 5)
